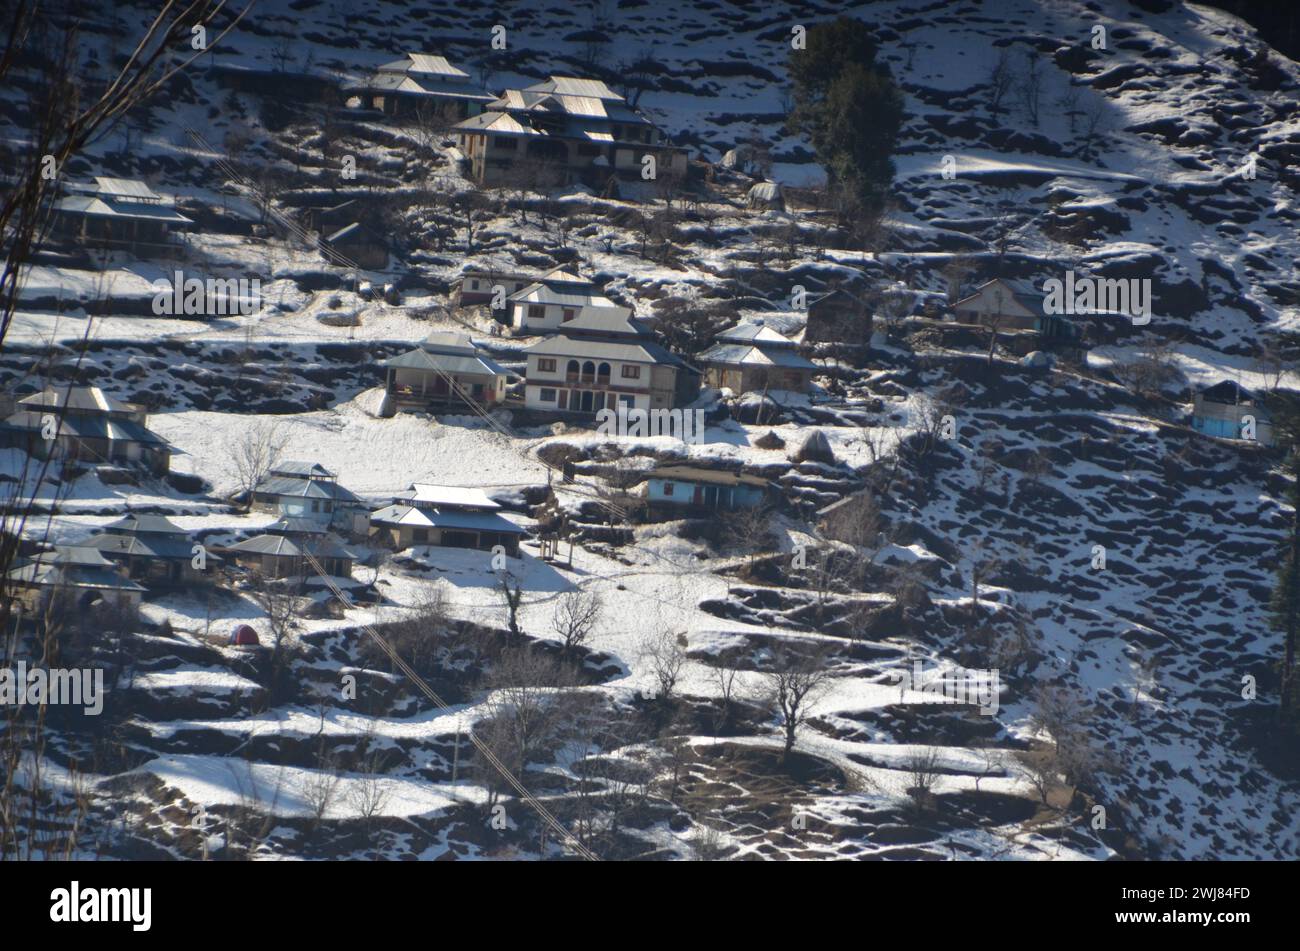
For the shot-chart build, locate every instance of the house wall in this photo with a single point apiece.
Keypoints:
(742, 379)
(477, 288)
(1224, 421)
(997, 304)
(605, 390)
(429, 386)
(680, 492)
(405, 536)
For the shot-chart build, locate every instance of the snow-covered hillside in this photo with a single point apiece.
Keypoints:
(1167, 155)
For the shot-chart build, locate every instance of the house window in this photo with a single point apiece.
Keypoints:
(547, 395)
(545, 365)
(588, 372)
(585, 148)
(421, 536)
(631, 372)
(602, 373)
(505, 145)
(668, 488)
(473, 285)
(569, 314)
(564, 399)
(536, 311)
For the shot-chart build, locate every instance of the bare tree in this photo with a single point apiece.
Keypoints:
(280, 605)
(511, 591)
(666, 654)
(1060, 711)
(575, 617)
(1030, 85)
(1001, 78)
(526, 711)
(923, 772)
(320, 789)
(749, 531)
(795, 682)
(254, 450)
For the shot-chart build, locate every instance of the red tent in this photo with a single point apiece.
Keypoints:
(244, 636)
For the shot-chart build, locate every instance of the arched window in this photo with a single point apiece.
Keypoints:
(602, 373)
(571, 371)
(588, 372)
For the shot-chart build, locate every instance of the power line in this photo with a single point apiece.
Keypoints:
(484, 750)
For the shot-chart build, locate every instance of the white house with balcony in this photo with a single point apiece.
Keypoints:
(602, 360)
(556, 298)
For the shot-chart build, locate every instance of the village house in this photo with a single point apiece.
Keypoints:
(1222, 410)
(605, 359)
(446, 516)
(82, 573)
(1007, 305)
(835, 316)
(84, 424)
(118, 212)
(445, 370)
(579, 128)
(153, 550)
(307, 490)
(1017, 306)
(478, 285)
(357, 244)
(557, 298)
(282, 551)
(422, 84)
(754, 357)
(679, 491)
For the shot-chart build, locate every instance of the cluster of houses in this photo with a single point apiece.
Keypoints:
(593, 353)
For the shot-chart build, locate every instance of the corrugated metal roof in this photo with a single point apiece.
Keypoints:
(740, 353)
(85, 398)
(583, 106)
(422, 359)
(281, 546)
(126, 188)
(573, 86)
(569, 297)
(146, 524)
(297, 467)
(756, 332)
(436, 65)
(94, 207)
(426, 493)
(634, 351)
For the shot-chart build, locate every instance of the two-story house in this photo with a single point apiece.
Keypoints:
(422, 82)
(601, 360)
(580, 127)
(445, 370)
(86, 424)
(557, 298)
(307, 490)
(753, 356)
